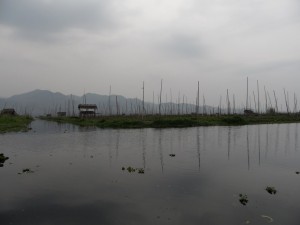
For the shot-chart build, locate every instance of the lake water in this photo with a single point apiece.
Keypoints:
(77, 175)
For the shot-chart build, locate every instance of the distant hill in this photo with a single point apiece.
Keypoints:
(41, 102)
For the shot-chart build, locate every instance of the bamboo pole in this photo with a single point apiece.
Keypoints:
(254, 101)
(276, 104)
(198, 100)
(161, 83)
(266, 99)
(247, 95)
(286, 101)
(258, 104)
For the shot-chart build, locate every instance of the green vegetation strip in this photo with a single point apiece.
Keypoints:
(14, 123)
(175, 121)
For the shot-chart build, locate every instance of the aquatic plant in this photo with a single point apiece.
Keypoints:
(3, 158)
(14, 123)
(166, 121)
(243, 199)
(271, 190)
(141, 170)
(26, 170)
(130, 169)
(234, 120)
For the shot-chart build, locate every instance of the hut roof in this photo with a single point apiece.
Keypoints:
(87, 106)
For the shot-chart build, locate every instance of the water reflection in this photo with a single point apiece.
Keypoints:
(200, 185)
(198, 147)
(248, 148)
(258, 139)
(296, 136)
(228, 142)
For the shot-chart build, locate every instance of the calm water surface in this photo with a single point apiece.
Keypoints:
(78, 176)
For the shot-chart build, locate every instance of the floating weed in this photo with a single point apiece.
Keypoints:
(3, 158)
(172, 155)
(27, 170)
(271, 190)
(243, 199)
(132, 169)
(141, 170)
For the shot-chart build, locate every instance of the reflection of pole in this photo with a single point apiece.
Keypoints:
(160, 152)
(228, 142)
(248, 149)
(143, 111)
(277, 139)
(258, 133)
(109, 149)
(267, 141)
(204, 138)
(198, 146)
(296, 137)
(144, 148)
(117, 143)
(287, 139)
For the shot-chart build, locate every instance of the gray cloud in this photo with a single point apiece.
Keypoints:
(38, 19)
(183, 45)
(98, 43)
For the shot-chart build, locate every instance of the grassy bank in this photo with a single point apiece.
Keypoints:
(14, 123)
(175, 121)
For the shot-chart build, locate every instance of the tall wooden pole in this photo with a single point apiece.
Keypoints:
(198, 102)
(143, 99)
(276, 106)
(247, 95)
(258, 106)
(161, 83)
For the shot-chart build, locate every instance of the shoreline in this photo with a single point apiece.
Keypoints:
(175, 121)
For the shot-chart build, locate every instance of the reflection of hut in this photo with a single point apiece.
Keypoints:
(60, 114)
(87, 110)
(10, 112)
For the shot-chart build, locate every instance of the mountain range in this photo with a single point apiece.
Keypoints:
(42, 102)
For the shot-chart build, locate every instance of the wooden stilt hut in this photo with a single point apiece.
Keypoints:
(87, 110)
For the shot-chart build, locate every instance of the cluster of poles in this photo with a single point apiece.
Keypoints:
(255, 103)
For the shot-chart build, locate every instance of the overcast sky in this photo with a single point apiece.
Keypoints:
(72, 46)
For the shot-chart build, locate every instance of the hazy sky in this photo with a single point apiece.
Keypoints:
(75, 45)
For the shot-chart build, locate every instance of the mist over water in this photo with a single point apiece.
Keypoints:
(191, 175)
